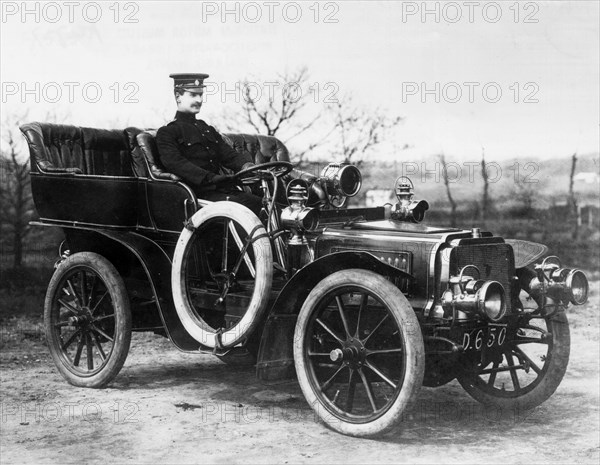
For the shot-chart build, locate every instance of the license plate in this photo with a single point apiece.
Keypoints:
(487, 337)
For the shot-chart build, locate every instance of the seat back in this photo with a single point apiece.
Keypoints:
(54, 146)
(132, 152)
(106, 152)
(138, 162)
(147, 143)
(65, 148)
(146, 159)
(261, 148)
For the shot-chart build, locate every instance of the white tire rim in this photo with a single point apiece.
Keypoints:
(192, 322)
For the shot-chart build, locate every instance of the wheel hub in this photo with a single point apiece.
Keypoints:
(353, 352)
(82, 320)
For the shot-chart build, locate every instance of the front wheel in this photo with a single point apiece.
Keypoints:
(527, 371)
(87, 320)
(358, 352)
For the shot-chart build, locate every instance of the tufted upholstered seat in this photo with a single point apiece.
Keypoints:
(145, 156)
(145, 161)
(261, 148)
(57, 148)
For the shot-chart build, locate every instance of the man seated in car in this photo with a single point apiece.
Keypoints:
(196, 152)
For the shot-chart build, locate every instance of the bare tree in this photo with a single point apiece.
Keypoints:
(16, 202)
(286, 109)
(359, 130)
(485, 200)
(572, 200)
(294, 111)
(448, 193)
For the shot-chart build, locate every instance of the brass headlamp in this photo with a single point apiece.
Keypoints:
(558, 283)
(467, 294)
(336, 183)
(299, 218)
(407, 209)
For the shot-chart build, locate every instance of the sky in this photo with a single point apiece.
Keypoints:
(518, 79)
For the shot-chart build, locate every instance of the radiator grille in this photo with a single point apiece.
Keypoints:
(495, 262)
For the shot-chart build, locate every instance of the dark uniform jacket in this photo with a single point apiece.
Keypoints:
(195, 151)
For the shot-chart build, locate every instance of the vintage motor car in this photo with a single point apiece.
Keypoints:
(362, 305)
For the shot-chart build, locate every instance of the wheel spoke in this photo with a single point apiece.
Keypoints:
(99, 302)
(340, 306)
(384, 351)
(79, 350)
(73, 292)
(544, 334)
(98, 346)
(351, 390)
(69, 306)
(101, 318)
(363, 305)
(66, 345)
(492, 378)
(364, 341)
(380, 374)
(60, 324)
(327, 383)
(531, 363)
(369, 390)
(513, 372)
(82, 285)
(319, 354)
(93, 289)
(102, 333)
(326, 328)
(90, 353)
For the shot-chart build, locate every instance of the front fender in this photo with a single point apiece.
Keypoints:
(275, 356)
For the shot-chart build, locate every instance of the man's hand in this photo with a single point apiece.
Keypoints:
(224, 180)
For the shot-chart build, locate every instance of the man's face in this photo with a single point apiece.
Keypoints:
(189, 102)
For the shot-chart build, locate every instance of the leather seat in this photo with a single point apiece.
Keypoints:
(261, 148)
(144, 154)
(54, 147)
(59, 148)
(146, 159)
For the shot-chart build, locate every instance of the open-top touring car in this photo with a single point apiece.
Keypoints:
(363, 305)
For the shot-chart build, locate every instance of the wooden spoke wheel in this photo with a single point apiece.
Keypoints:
(358, 352)
(527, 369)
(87, 320)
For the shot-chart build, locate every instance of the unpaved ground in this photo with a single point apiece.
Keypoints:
(169, 407)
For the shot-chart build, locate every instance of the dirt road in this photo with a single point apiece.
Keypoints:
(169, 407)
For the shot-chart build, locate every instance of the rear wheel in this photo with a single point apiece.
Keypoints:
(87, 320)
(358, 352)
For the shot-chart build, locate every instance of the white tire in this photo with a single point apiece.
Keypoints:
(357, 373)
(197, 327)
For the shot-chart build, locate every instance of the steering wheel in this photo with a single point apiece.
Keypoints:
(263, 171)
